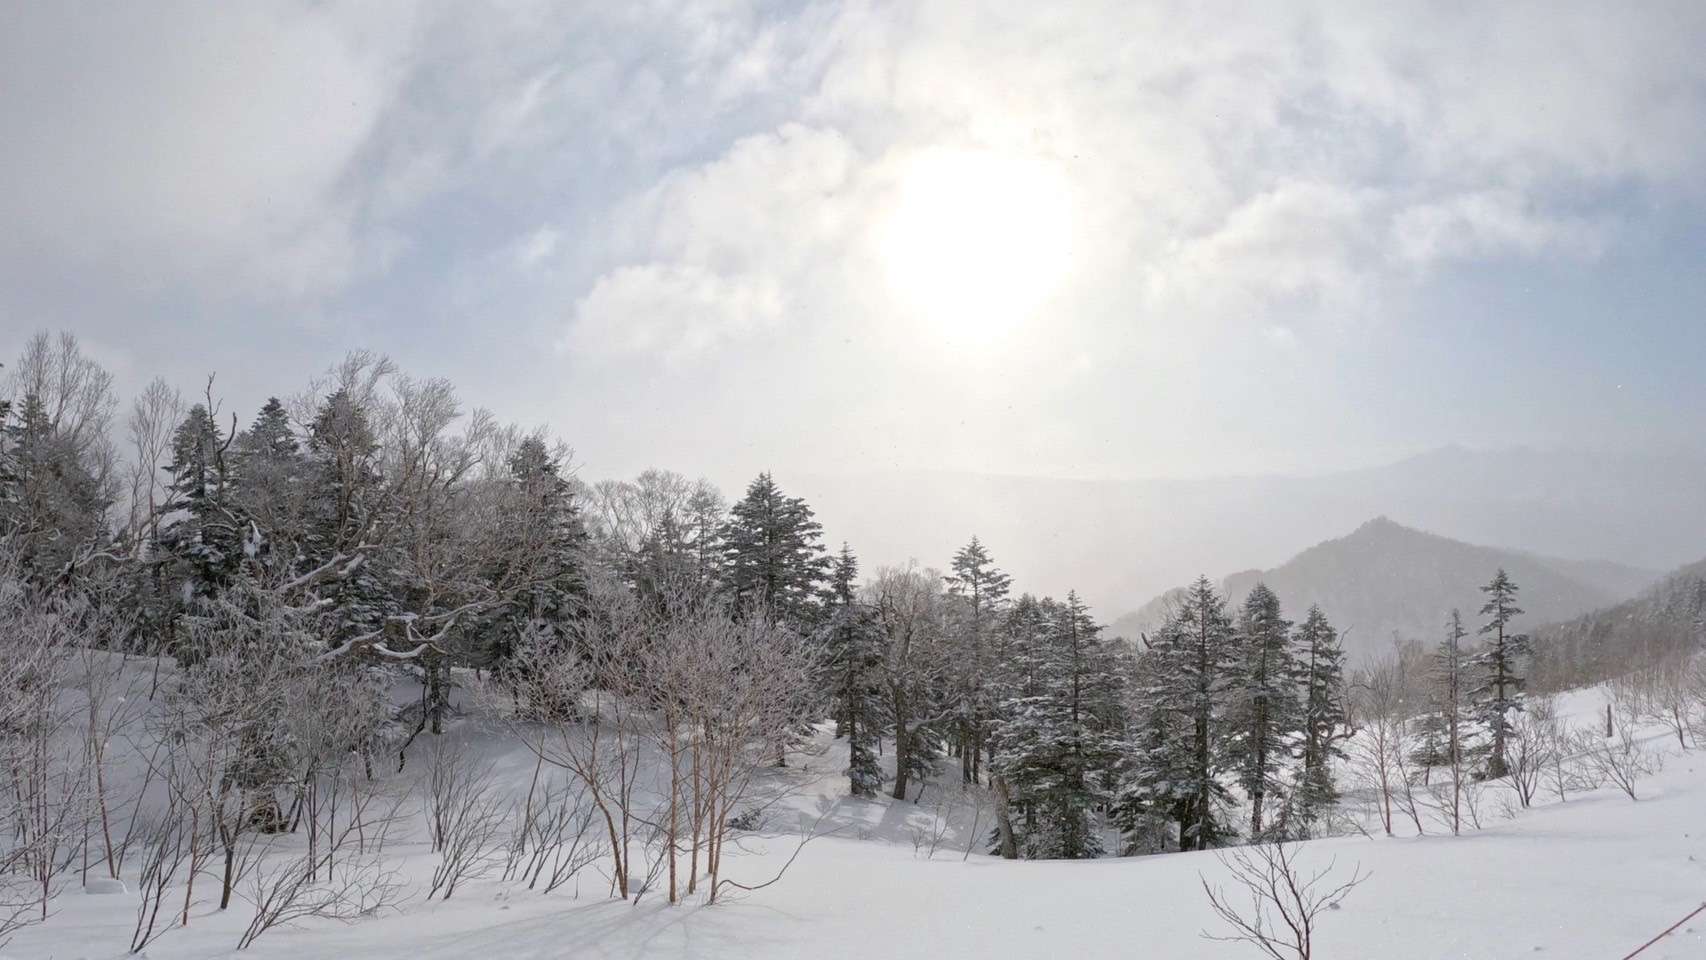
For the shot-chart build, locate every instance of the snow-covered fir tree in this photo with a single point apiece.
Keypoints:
(977, 592)
(1499, 693)
(540, 530)
(1264, 714)
(57, 506)
(202, 535)
(853, 650)
(1321, 670)
(8, 466)
(343, 509)
(271, 485)
(1059, 735)
(1179, 733)
(773, 553)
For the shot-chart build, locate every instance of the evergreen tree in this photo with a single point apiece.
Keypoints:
(55, 504)
(1179, 754)
(978, 592)
(8, 465)
(271, 484)
(1059, 736)
(343, 501)
(1321, 664)
(853, 641)
(773, 554)
(542, 534)
(1263, 709)
(1500, 692)
(1150, 796)
(202, 535)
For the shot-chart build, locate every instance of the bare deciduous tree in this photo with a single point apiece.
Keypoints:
(1620, 759)
(154, 415)
(46, 768)
(464, 818)
(1284, 903)
(165, 849)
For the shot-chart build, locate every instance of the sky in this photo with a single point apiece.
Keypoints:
(1090, 240)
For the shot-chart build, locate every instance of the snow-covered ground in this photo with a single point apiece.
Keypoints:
(1592, 877)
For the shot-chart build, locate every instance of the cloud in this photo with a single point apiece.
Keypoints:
(671, 311)
(1490, 223)
(731, 243)
(200, 145)
(1305, 158)
(691, 195)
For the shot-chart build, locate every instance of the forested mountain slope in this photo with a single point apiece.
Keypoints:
(1667, 618)
(1386, 580)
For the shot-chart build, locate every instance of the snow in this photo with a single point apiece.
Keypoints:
(1592, 877)
(104, 887)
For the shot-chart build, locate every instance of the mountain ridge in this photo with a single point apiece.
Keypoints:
(1386, 582)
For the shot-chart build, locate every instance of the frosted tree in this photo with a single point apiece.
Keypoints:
(1263, 708)
(1321, 668)
(1499, 693)
(540, 529)
(1447, 723)
(1060, 734)
(1178, 749)
(154, 417)
(58, 500)
(346, 501)
(8, 462)
(853, 647)
(773, 553)
(202, 538)
(661, 530)
(62, 458)
(272, 483)
(908, 605)
(977, 592)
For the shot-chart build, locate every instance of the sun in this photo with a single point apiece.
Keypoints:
(977, 240)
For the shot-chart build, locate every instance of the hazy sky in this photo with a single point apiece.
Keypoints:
(1073, 239)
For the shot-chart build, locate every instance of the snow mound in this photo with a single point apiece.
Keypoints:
(104, 887)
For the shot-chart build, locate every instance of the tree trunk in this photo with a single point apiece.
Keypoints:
(435, 696)
(1009, 846)
(225, 885)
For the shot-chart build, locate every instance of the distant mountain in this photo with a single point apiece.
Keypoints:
(1386, 580)
(1120, 542)
(1668, 616)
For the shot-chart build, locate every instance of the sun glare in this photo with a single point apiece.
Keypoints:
(977, 240)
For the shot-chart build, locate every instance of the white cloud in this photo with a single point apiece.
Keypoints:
(671, 311)
(1489, 223)
(204, 145)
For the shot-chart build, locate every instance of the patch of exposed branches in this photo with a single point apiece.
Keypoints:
(1274, 906)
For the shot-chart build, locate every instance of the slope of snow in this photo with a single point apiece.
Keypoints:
(1592, 877)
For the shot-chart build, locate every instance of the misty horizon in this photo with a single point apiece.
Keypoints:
(762, 479)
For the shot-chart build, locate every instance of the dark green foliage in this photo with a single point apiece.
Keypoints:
(1264, 715)
(1180, 727)
(52, 505)
(202, 530)
(1322, 678)
(1058, 735)
(773, 554)
(853, 641)
(1500, 691)
(541, 537)
(977, 592)
(343, 505)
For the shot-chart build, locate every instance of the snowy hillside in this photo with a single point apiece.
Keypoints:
(1386, 579)
(1593, 876)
